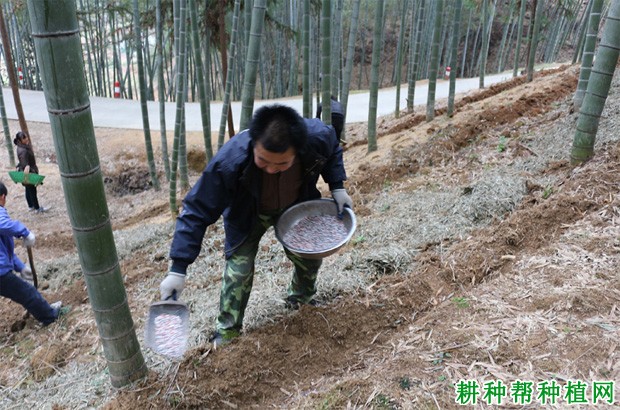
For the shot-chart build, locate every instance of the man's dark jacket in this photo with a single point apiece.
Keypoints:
(230, 186)
(337, 115)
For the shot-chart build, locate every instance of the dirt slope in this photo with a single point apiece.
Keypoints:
(482, 254)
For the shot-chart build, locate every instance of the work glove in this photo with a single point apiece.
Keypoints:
(29, 240)
(172, 286)
(342, 199)
(26, 273)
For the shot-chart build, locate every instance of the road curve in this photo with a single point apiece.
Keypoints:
(122, 113)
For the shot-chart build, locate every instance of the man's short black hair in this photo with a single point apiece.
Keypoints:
(3, 190)
(278, 127)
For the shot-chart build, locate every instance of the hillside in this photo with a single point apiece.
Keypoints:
(481, 254)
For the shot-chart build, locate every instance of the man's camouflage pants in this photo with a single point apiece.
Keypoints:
(238, 277)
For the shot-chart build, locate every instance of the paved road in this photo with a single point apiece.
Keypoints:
(121, 113)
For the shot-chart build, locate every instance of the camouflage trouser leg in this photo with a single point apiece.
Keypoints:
(237, 283)
(303, 285)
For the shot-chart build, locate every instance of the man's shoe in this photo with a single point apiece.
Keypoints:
(42, 209)
(221, 339)
(293, 303)
(57, 309)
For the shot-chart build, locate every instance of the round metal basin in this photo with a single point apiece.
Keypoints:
(292, 219)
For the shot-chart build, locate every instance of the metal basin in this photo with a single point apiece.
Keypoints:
(289, 222)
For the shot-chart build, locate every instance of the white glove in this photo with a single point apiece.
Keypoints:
(342, 199)
(29, 240)
(172, 286)
(26, 273)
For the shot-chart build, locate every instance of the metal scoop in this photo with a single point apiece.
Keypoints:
(167, 327)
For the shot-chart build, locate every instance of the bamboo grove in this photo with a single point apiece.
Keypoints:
(241, 50)
(490, 34)
(229, 50)
(417, 37)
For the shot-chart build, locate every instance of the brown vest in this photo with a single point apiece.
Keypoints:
(282, 189)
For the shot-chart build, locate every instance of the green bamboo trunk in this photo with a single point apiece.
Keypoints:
(534, 40)
(374, 77)
(466, 42)
(57, 42)
(456, 35)
(502, 47)
(294, 47)
(10, 68)
(434, 66)
(336, 49)
(598, 87)
(346, 81)
(415, 59)
(515, 70)
(583, 27)
(203, 95)
(588, 52)
(7, 133)
(161, 88)
(251, 64)
(399, 58)
(487, 19)
(307, 91)
(229, 75)
(326, 56)
(180, 104)
(143, 106)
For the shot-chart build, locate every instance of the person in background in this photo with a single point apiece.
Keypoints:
(14, 287)
(252, 179)
(337, 115)
(28, 165)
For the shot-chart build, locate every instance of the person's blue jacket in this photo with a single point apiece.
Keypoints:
(230, 186)
(9, 229)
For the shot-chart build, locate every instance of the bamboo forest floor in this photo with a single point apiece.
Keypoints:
(481, 254)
